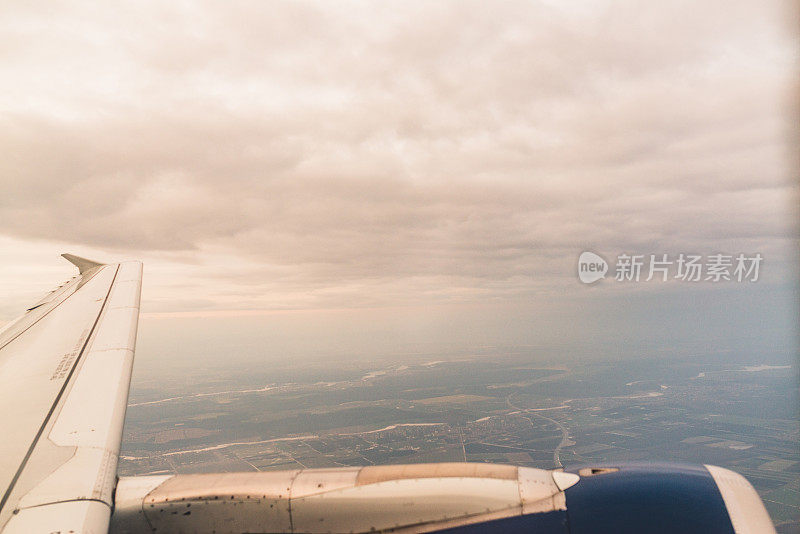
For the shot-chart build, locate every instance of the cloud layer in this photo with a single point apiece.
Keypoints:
(361, 154)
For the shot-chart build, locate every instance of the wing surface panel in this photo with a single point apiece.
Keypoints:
(66, 372)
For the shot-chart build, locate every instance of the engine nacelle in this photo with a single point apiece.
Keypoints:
(447, 497)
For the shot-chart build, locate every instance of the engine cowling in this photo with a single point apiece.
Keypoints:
(457, 498)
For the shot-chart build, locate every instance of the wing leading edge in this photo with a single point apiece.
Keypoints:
(65, 370)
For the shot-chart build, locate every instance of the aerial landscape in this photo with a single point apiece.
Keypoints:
(315, 235)
(478, 408)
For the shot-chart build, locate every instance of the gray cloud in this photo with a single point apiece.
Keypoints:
(359, 154)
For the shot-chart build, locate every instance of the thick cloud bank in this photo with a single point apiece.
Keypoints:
(301, 154)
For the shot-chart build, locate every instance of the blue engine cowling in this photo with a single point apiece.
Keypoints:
(645, 498)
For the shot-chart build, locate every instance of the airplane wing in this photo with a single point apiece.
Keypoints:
(65, 368)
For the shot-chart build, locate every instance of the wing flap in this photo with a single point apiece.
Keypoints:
(78, 517)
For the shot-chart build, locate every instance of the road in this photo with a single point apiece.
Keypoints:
(564, 432)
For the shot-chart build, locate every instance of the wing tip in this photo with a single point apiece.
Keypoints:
(82, 264)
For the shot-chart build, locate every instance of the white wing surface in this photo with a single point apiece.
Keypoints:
(65, 369)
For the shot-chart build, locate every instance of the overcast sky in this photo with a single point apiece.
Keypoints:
(445, 158)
